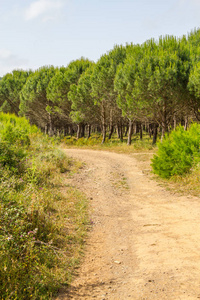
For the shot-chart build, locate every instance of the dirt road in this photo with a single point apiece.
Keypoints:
(144, 242)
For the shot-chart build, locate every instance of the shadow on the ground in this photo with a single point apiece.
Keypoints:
(82, 291)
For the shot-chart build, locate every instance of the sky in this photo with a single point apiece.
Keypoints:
(36, 33)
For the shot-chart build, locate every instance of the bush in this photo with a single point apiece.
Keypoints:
(21, 257)
(14, 141)
(36, 217)
(178, 152)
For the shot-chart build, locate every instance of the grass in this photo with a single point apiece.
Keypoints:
(114, 144)
(43, 222)
(187, 184)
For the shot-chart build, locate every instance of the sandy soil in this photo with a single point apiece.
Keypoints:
(144, 242)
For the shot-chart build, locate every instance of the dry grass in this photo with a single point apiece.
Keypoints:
(188, 184)
(52, 224)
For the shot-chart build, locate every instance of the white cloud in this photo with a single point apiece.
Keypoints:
(45, 8)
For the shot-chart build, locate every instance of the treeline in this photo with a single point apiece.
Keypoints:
(152, 86)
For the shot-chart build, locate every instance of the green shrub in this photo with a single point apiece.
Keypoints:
(36, 217)
(14, 141)
(178, 152)
(22, 254)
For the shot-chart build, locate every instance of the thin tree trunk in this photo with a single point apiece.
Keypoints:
(137, 127)
(150, 130)
(50, 125)
(78, 134)
(118, 131)
(186, 123)
(121, 133)
(88, 131)
(141, 133)
(110, 131)
(103, 117)
(174, 119)
(127, 128)
(155, 133)
(71, 130)
(111, 125)
(104, 134)
(82, 130)
(164, 120)
(129, 133)
(134, 127)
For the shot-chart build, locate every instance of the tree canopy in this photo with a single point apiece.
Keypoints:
(155, 83)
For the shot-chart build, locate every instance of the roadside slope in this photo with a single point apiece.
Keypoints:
(144, 243)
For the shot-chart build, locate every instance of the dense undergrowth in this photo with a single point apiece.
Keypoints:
(42, 220)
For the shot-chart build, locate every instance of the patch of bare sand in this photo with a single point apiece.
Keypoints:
(145, 241)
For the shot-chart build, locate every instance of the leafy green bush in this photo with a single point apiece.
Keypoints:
(36, 218)
(178, 152)
(14, 141)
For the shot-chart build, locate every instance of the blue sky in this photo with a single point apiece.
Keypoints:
(34, 33)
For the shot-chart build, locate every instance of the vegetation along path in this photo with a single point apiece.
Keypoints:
(144, 242)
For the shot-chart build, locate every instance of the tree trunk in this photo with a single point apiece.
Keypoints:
(71, 130)
(141, 133)
(164, 119)
(121, 133)
(137, 127)
(82, 130)
(155, 133)
(104, 133)
(174, 119)
(103, 118)
(150, 130)
(129, 133)
(111, 132)
(78, 131)
(118, 131)
(111, 125)
(63, 131)
(134, 128)
(88, 131)
(146, 127)
(186, 123)
(50, 125)
(127, 128)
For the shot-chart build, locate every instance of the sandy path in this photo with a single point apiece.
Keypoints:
(145, 241)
